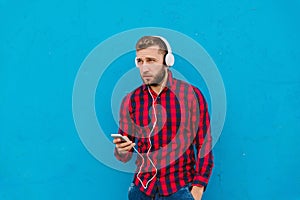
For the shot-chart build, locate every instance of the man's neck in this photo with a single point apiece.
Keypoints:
(157, 89)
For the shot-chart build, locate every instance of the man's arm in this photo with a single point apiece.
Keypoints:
(123, 150)
(203, 144)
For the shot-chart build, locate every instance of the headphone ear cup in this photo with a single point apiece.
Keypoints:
(135, 61)
(169, 59)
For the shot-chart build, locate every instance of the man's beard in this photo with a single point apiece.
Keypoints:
(158, 78)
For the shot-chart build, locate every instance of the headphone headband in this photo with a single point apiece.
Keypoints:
(165, 42)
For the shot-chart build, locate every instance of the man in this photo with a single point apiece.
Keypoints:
(166, 122)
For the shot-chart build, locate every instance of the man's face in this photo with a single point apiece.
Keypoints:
(150, 62)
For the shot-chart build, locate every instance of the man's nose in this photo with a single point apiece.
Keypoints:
(145, 67)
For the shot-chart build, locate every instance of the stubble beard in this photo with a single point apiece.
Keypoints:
(158, 79)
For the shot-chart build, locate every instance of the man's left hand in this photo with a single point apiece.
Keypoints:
(197, 192)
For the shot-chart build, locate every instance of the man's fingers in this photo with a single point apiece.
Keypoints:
(125, 147)
(123, 144)
(129, 147)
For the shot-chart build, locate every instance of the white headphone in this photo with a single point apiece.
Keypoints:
(169, 57)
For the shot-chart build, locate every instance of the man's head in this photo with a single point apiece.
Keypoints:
(150, 41)
(150, 59)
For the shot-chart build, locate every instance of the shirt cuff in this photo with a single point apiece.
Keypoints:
(200, 181)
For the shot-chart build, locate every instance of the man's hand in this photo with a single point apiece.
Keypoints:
(123, 147)
(197, 192)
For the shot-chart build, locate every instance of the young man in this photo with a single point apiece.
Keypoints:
(166, 122)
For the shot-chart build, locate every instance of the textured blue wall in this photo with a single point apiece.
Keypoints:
(254, 44)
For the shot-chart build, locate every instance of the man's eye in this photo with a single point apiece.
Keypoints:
(151, 60)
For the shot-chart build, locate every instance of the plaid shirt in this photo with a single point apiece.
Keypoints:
(180, 140)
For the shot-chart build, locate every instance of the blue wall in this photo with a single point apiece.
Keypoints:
(253, 43)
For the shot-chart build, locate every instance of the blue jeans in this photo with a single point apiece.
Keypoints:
(134, 193)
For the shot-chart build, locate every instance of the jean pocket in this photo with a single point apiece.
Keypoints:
(183, 193)
(188, 189)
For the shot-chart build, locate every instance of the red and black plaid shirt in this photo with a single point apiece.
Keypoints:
(181, 139)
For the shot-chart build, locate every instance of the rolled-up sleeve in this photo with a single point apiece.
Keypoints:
(126, 127)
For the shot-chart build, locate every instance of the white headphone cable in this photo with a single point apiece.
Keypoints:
(152, 129)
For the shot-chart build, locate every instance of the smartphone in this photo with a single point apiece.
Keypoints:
(117, 135)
